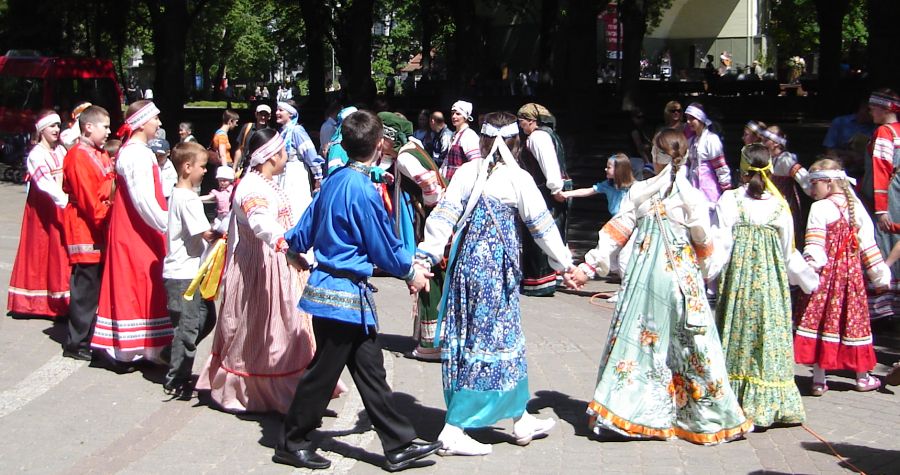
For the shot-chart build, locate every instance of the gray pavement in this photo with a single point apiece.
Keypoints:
(61, 416)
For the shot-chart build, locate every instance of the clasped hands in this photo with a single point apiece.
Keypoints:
(574, 278)
(421, 278)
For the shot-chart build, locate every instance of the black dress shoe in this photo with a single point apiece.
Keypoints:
(399, 459)
(301, 458)
(80, 354)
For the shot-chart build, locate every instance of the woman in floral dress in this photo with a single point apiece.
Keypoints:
(754, 305)
(663, 372)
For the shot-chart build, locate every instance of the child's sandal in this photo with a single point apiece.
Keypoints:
(818, 389)
(869, 383)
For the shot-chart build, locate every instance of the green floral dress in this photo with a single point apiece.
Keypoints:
(754, 317)
(663, 372)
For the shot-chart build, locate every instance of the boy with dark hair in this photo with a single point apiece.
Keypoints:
(187, 234)
(350, 231)
(87, 178)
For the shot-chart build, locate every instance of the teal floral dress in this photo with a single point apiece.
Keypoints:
(754, 316)
(663, 372)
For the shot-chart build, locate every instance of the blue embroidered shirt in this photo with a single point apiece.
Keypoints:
(350, 231)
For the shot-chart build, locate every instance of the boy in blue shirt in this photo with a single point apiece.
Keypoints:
(350, 231)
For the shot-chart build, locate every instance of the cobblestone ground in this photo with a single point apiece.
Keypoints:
(61, 416)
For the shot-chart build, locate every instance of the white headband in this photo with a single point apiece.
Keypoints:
(831, 175)
(142, 116)
(698, 114)
(507, 131)
(47, 121)
(263, 153)
(773, 137)
(288, 108)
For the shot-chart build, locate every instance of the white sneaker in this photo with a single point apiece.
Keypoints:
(457, 442)
(613, 298)
(528, 428)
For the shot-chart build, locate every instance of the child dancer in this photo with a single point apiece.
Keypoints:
(663, 374)
(350, 231)
(787, 173)
(883, 161)
(485, 372)
(706, 167)
(754, 306)
(39, 283)
(263, 343)
(187, 233)
(88, 177)
(132, 319)
(751, 132)
(619, 178)
(834, 332)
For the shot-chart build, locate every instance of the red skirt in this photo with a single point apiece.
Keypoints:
(132, 319)
(834, 330)
(39, 283)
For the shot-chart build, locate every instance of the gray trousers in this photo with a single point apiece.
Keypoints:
(192, 320)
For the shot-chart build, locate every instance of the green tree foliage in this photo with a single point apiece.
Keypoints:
(795, 29)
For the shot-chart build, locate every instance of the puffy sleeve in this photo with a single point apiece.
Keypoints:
(540, 144)
(611, 238)
(787, 165)
(715, 155)
(306, 151)
(727, 211)
(427, 180)
(882, 166)
(441, 223)
(42, 178)
(539, 222)
(469, 142)
(138, 172)
(262, 217)
(872, 260)
(820, 214)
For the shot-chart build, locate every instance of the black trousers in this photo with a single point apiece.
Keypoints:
(84, 296)
(341, 344)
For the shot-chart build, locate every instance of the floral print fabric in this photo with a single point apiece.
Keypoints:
(662, 376)
(754, 317)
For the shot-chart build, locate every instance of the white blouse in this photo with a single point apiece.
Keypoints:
(45, 168)
(135, 165)
(508, 184)
(786, 164)
(540, 144)
(256, 204)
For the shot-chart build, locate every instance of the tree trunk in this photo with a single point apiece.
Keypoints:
(830, 15)
(315, 21)
(426, 19)
(354, 51)
(581, 60)
(464, 59)
(633, 17)
(549, 20)
(884, 36)
(170, 27)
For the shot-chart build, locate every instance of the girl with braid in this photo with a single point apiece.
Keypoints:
(834, 331)
(662, 374)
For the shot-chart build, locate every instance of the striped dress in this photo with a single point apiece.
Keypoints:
(263, 342)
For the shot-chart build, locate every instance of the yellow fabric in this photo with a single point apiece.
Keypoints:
(210, 274)
(765, 172)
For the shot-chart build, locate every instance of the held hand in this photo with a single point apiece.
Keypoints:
(297, 261)
(559, 196)
(575, 278)
(317, 185)
(420, 280)
(884, 222)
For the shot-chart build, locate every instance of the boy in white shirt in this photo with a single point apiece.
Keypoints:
(187, 234)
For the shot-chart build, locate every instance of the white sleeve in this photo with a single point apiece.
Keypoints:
(262, 218)
(611, 238)
(470, 144)
(138, 174)
(426, 180)
(540, 144)
(539, 222)
(820, 214)
(42, 177)
(441, 223)
(872, 261)
(723, 238)
(194, 219)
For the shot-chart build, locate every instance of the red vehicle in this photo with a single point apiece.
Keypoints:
(29, 83)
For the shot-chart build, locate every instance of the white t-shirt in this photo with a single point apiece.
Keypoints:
(187, 223)
(168, 177)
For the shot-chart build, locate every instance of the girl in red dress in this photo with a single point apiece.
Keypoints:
(132, 319)
(834, 331)
(39, 283)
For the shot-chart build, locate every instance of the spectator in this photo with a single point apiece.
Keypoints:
(443, 136)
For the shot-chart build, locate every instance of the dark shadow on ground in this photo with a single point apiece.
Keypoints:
(400, 344)
(870, 460)
(567, 409)
(58, 331)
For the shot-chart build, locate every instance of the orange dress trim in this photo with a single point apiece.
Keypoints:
(598, 410)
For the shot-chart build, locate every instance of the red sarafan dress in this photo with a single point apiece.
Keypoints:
(834, 330)
(132, 319)
(39, 283)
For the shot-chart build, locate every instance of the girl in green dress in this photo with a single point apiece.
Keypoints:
(754, 306)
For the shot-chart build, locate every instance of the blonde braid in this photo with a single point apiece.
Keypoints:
(851, 206)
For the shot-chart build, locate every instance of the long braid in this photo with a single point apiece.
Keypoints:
(851, 206)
